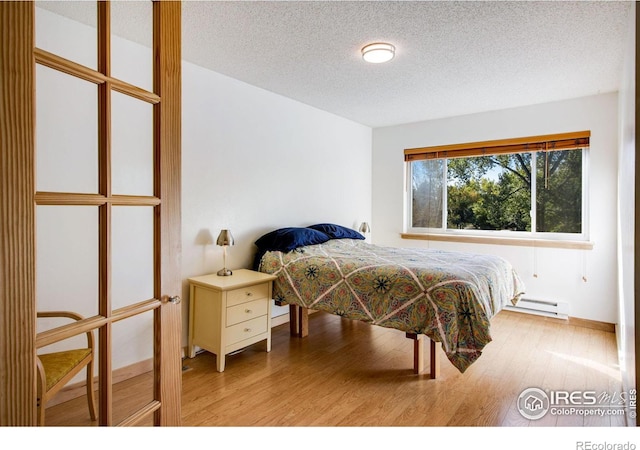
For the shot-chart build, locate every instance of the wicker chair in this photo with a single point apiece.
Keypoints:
(56, 369)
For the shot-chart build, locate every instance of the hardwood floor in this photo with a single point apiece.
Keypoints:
(350, 374)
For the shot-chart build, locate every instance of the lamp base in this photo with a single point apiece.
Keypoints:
(224, 272)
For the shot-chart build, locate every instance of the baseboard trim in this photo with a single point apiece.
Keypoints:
(279, 320)
(593, 324)
(574, 321)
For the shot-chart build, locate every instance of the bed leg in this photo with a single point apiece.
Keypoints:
(434, 360)
(419, 357)
(303, 321)
(418, 353)
(293, 320)
(298, 321)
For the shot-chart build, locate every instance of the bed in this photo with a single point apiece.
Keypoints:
(449, 297)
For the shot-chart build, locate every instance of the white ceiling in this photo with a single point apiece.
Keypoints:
(452, 58)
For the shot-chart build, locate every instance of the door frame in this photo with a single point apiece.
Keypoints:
(18, 57)
(17, 215)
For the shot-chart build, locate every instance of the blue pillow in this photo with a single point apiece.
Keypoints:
(287, 239)
(337, 231)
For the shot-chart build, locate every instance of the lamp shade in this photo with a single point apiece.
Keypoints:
(364, 227)
(224, 238)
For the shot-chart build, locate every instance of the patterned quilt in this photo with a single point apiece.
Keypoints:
(448, 296)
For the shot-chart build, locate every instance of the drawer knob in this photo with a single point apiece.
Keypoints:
(249, 294)
(248, 311)
(247, 330)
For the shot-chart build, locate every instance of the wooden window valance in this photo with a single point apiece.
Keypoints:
(551, 142)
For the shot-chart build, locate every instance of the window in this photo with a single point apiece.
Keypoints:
(529, 185)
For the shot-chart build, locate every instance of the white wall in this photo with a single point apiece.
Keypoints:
(559, 272)
(626, 211)
(254, 161)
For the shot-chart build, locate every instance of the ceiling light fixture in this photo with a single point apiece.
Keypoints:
(378, 52)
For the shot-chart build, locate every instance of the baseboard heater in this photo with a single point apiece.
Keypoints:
(548, 308)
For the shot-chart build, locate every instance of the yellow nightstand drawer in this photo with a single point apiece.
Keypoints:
(246, 311)
(227, 313)
(246, 330)
(247, 294)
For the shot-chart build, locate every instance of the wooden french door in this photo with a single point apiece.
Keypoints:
(48, 204)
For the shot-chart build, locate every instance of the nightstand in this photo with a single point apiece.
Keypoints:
(227, 313)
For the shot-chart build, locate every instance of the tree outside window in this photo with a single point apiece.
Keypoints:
(526, 191)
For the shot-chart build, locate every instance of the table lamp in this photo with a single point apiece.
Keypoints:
(225, 239)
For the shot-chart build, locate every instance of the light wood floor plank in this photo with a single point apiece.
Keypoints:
(348, 373)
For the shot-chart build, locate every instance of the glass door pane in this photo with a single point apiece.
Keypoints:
(132, 43)
(132, 360)
(67, 259)
(132, 255)
(66, 133)
(68, 29)
(132, 145)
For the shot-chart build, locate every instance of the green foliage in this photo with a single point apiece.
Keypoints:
(494, 192)
(483, 197)
(559, 199)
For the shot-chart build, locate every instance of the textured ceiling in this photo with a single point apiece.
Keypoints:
(452, 58)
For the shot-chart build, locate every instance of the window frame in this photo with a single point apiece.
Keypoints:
(485, 149)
